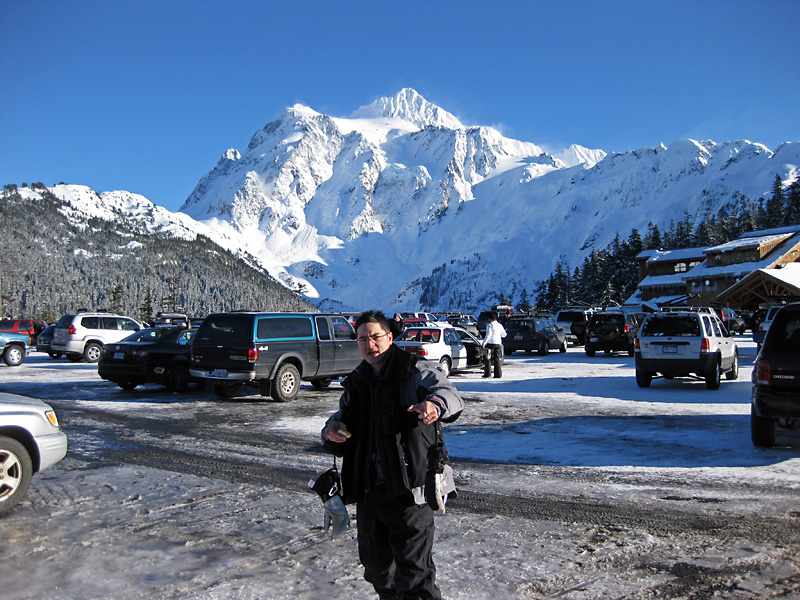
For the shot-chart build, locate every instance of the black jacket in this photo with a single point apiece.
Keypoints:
(375, 409)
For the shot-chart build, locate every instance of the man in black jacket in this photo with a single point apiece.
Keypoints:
(386, 432)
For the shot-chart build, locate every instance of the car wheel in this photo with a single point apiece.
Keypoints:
(715, 376)
(127, 385)
(227, 389)
(74, 357)
(762, 430)
(589, 351)
(286, 383)
(178, 379)
(563, 347)
(544, 348)
(734, 372)
(445, 365)
(631, 352)
(321, 384)
(16, 470)
(92, 351)
(14, 355)
(643, 379)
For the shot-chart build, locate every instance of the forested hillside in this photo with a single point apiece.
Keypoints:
(52, 264)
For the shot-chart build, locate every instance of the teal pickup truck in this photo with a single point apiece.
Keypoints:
(14, 347)
(273, 351)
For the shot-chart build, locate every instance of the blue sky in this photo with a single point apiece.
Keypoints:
(146, 96)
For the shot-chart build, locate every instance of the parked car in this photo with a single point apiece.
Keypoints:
(540, 334)
(83, 335)
(273, 351)
(573, 322)
(30, 441)
(30, 327)
(467, 322)
(732, 321)
(153, 355)
(439, 344)
(761, 329)
(43, 341)
(14, 346)
(611, 332)
(685, 344)
(776, 379)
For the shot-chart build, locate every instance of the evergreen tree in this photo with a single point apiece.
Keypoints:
(775, 213)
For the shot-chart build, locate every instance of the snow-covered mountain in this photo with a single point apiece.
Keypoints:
(401, 205)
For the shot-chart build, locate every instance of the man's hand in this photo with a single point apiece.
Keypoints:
(336, 431)
(427, 410)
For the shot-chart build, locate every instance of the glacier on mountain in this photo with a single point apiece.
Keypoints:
(400, 205)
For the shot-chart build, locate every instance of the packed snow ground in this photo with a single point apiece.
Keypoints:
(562, 425)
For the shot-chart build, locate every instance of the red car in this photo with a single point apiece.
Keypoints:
(31, 327)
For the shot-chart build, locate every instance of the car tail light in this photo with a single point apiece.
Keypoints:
(72, 330)
(636, 344)
(763, 372)
(627, 328)
(252, 354)
(705, 345)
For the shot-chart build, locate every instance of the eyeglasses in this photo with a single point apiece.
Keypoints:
(372, 338)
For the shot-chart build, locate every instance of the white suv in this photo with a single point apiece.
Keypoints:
(684, 344)
(84, 335)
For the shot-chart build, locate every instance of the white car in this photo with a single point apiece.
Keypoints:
(685, 344)
(30, 441)
(438, 343)
(83, 335)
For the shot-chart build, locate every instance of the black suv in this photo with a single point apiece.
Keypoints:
(611, 332)
(776, 379)
(534, 333)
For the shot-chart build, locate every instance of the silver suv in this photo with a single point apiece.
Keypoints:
(84, 335)
(685, 344)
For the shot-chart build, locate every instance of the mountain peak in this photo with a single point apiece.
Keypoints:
(410, 106)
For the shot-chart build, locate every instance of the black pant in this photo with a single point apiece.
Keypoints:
(493, 359)
(395, 545)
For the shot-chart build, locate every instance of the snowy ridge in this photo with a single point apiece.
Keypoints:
(399, 205)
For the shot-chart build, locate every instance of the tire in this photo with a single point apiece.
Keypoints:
(631, 351)
(321, 384)
(16, 470)
(714, 378)
(507, 352)
(74, 357)
(54, 355)
(14, 355)
(178, 378)
(608, 332)
(127, 385)
(734, 372)
(227, 389)
(762, 430)
(643, 379)
(589, 351)
(92, 352)
(444, 364)
(544, 348)
(286, 383)
(563, 347)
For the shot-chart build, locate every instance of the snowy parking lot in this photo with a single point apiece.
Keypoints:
(574, 483)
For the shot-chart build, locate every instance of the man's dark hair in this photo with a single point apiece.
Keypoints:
(373, 316)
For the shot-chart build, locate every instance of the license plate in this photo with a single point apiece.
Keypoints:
(669, 349)
(593, 339)
(219, 373)
(518, 336)
(119, 355)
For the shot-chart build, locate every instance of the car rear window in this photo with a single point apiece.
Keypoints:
(226, 329)
(421, 335)
(570, 315)
(521, 325)
(671, 326)
(65, 321)
(784, 333)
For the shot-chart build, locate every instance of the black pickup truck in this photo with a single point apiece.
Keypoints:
(273, 351)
